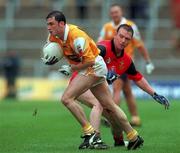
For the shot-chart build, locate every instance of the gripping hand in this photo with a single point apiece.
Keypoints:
(111, 77)
(65, 69)
(49, 60)
(161, 99)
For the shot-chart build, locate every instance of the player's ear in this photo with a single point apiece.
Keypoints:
(61, 23)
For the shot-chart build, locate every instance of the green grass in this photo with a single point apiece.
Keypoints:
(54, 130)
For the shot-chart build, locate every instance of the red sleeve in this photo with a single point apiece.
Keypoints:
(138, 76)
(133, 74)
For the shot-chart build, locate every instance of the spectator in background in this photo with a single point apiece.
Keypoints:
(11, 71)
(81, 6)
(175, 9)
(139, 9)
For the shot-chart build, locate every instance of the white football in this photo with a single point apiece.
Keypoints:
(52, 49)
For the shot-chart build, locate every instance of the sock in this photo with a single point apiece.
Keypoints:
(118, 138)
(131, 136)
(88, 129)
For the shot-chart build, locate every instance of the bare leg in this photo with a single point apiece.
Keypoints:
(70, 94)
(88, 99)
(102, 93)
(117, 88)
(130, 99)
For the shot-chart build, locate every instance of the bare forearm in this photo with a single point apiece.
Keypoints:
(144, 85)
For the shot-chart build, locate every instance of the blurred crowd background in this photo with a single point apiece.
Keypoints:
(23, 33)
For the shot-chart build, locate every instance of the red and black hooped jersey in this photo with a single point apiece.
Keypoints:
(120, 64)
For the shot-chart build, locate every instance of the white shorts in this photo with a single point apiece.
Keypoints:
(99, 69)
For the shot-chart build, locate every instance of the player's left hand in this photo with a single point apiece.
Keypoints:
(111, 77)
(149, 67)
(49, 60)
(65, 69)
(161, 99)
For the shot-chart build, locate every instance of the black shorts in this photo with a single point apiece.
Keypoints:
(123, 77)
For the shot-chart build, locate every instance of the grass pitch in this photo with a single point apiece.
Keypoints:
(47, 127)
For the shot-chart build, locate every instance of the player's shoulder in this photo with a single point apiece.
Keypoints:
(76, 31)
(73, 28)
(130, 22)
(104, 42)
(108, 24)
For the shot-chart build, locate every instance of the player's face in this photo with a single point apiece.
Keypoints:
(122, 39)
(55, 28)
(116, 14)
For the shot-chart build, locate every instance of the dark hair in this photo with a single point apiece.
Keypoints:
(59, 16)
(127, 28)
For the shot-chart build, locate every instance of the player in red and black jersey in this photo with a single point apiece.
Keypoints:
(118, 63)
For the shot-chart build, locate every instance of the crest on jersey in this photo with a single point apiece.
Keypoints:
(79, 48)
(121, 65)
(79, 45)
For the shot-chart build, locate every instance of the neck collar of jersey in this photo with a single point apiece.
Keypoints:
(66, 32)
(114, 50)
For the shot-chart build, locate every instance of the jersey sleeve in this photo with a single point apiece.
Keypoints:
(83, 50)
(133, 74)
(80, 45)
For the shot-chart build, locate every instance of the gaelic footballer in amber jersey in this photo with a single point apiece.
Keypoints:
(109, 30)
(77, 45)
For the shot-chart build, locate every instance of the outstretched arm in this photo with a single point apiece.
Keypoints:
(144, 85)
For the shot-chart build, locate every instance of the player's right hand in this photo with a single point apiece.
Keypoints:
(111, 77)
(49, 60)
(161, 99)
(65, 69)
(149, 67)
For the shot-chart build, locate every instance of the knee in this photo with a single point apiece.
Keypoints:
(94, 103)
(65, 99)
(99, 107)
(109, 108)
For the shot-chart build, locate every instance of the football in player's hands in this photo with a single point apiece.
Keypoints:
(52, 53)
